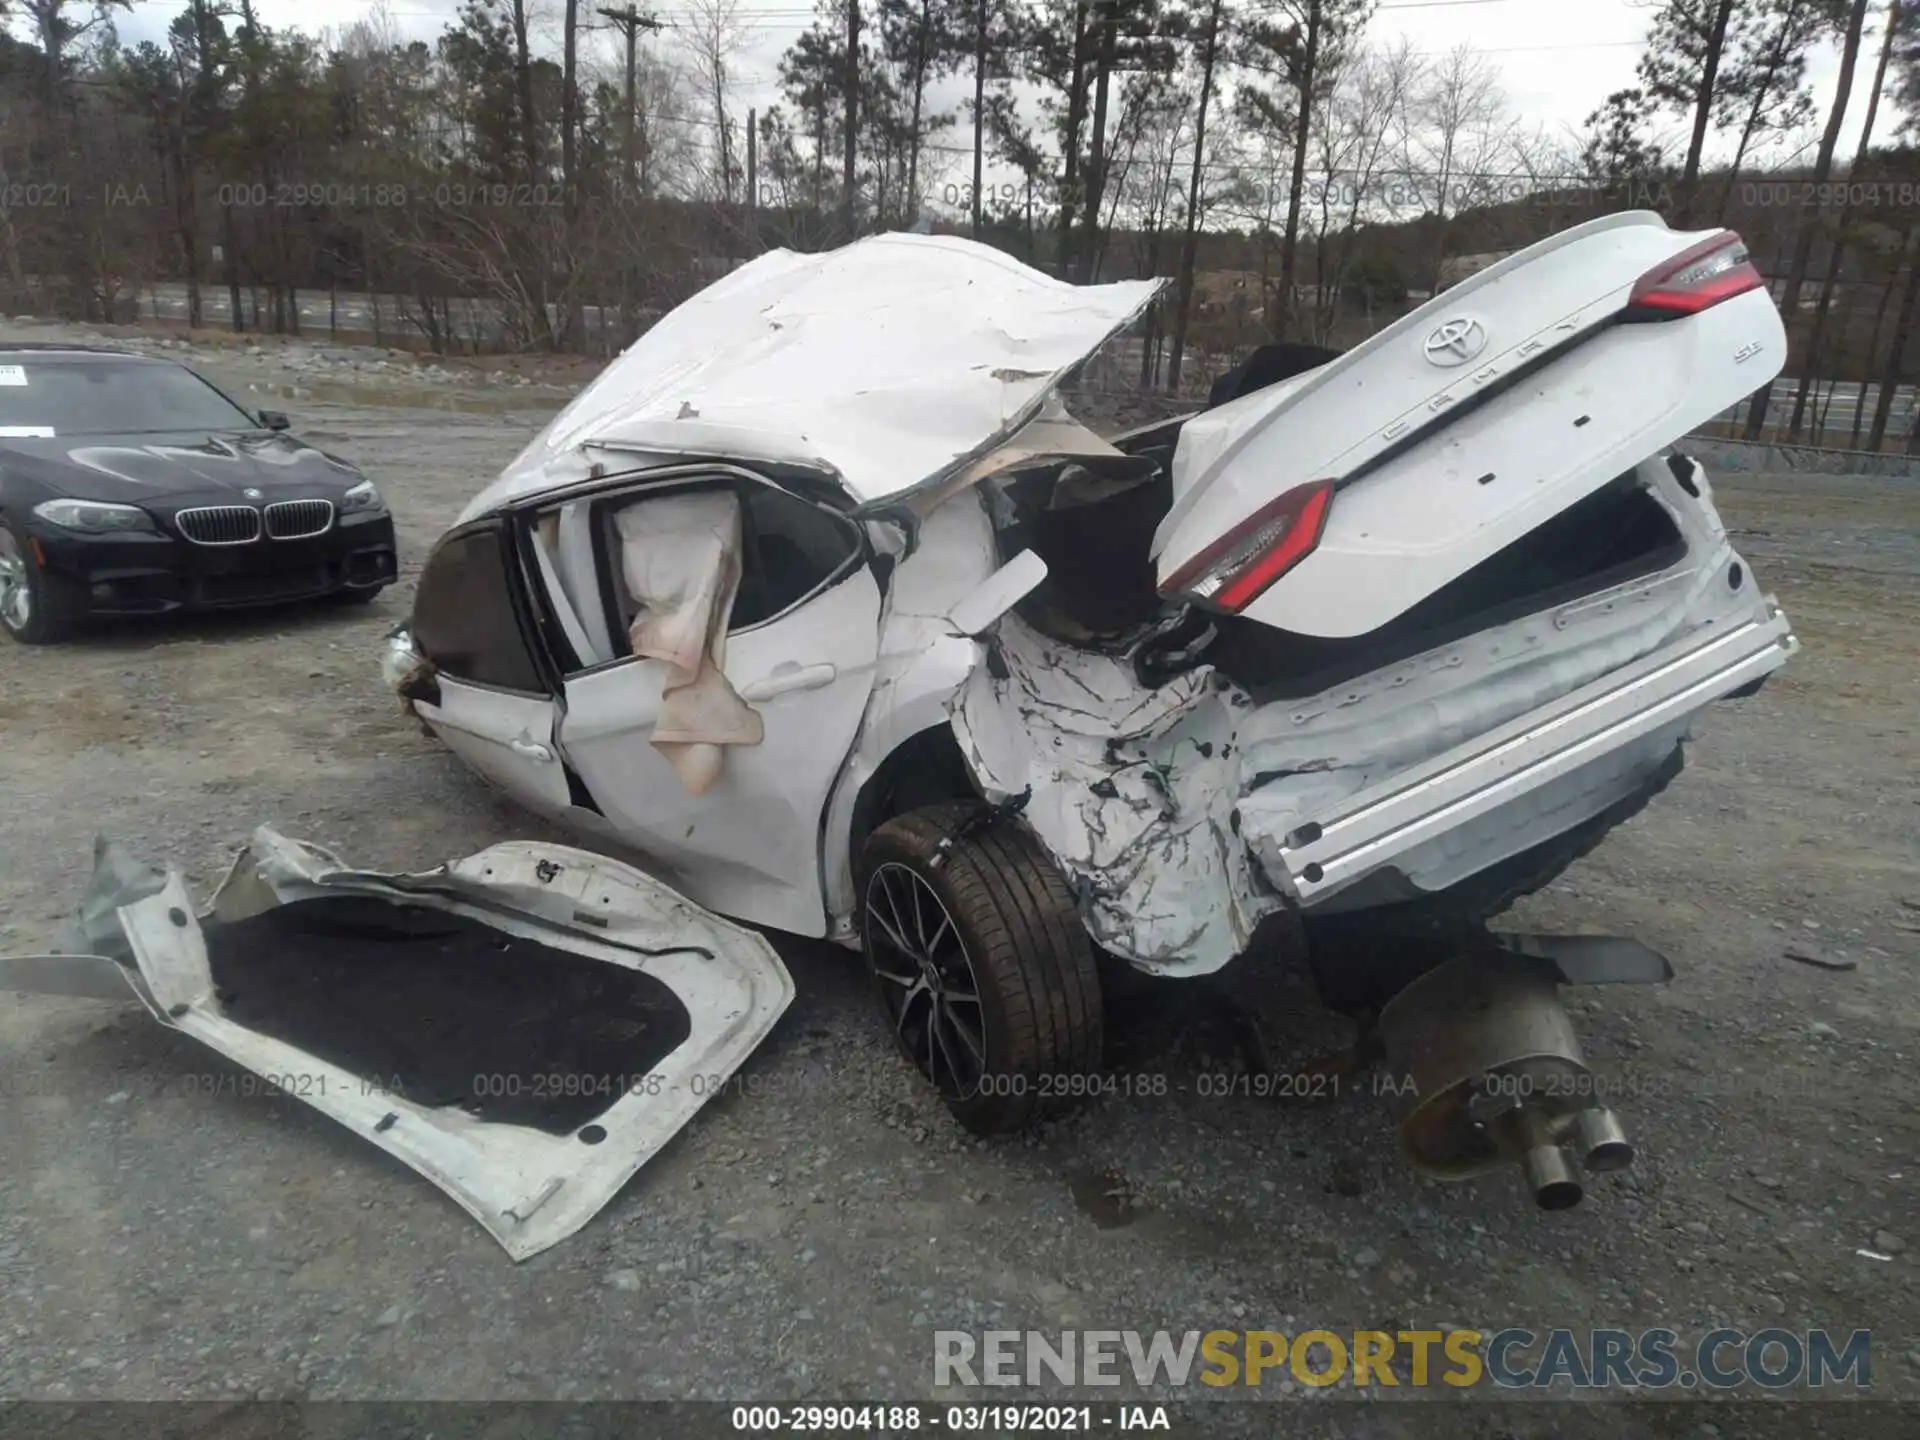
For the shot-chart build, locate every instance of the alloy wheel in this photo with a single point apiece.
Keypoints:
(16, 586)
(927, 982)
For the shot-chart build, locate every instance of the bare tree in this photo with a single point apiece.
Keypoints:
(1210, 33)
(1540, 163)
(850, 99)
(714, 34)
(1290, 55)
(1823, 167)
(1356, 140)
(18, 132)
(1455, 134)
(1836, 252)
(1150, 198)
(1142, 100)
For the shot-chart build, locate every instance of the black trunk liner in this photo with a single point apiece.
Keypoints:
(442, 1010)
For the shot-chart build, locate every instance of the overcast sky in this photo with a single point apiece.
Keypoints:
(1560, 58)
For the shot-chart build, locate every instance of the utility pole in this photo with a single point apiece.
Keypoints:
(630, 22)
(850, 157)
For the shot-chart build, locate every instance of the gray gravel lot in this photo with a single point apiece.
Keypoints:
(805, 1237)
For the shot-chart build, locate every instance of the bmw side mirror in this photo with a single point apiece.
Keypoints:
(274, 420)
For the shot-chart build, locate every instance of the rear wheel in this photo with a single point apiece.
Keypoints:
(35, 608)
(982, 967)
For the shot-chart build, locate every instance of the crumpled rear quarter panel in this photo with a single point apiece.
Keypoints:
(1166, 807)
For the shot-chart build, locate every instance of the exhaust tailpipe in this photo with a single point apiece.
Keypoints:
(1549, 1170)
(1497, 1077)
(1603, 1142)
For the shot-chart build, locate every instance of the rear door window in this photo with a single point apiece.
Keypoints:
(790, 549)
(793, 547)
(464, 617)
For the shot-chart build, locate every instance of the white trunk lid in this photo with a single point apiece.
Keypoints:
(1465, 425)
(530, 1173)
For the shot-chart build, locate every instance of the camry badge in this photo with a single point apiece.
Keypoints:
(1456, 341)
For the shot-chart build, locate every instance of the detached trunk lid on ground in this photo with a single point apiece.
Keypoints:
(525, 1027)
(1333, 502)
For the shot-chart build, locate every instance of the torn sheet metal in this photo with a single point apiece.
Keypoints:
(528, 1186)
(888, 363)
(1312, 760)
(1184, 814)
(1051, 436)
(1132, 790)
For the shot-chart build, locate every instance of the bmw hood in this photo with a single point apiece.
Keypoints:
(890, 364)
(139, 469)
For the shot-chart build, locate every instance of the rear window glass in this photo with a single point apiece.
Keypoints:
(110, 397)
(792, 548)
(463, 618)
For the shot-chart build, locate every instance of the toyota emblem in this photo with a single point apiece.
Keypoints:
(1456, 342)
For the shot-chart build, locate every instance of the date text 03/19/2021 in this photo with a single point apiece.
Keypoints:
(953, 1419)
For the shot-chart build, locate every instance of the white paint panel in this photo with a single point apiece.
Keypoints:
(1415, 521)
(887, 362)
(529, 1189)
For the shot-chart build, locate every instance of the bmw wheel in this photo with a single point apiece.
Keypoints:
(35, 608)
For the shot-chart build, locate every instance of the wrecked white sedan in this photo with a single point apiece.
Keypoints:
(818, 601)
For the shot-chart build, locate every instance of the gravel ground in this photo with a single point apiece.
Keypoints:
(806, 1238)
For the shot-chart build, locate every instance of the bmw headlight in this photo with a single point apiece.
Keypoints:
(359, 498)
(94, 517)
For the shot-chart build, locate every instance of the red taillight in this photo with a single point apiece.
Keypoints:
(1237, 569)
(1714, 270)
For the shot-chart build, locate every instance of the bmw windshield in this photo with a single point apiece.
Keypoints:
(105, 395)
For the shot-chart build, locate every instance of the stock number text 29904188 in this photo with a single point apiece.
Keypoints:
(968, 1419)
(386, 195)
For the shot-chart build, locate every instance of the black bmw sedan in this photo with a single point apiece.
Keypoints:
(130, 485)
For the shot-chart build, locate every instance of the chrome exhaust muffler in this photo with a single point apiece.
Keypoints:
(1488, 1057)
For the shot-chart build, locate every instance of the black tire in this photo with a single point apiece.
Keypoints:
(52, 604)
(1021, 943)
